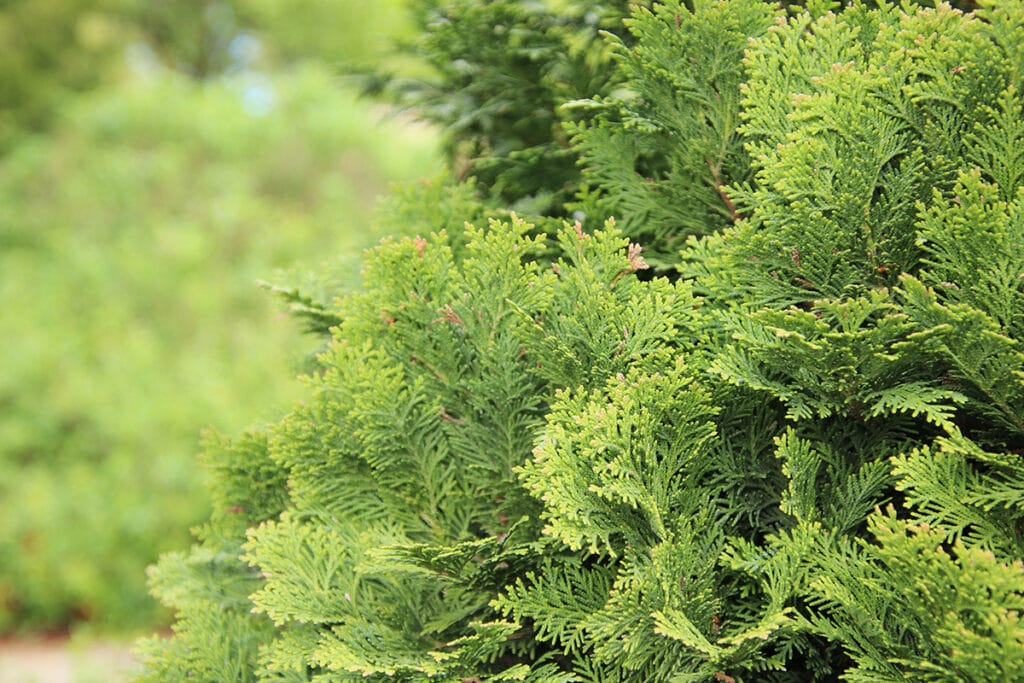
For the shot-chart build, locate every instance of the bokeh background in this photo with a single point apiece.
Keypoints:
(158, 160)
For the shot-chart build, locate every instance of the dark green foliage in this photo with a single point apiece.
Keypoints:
(665, 145)
(797, 460)
(501, 73)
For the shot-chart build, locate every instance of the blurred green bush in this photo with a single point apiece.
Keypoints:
(131, 240)
(339, 32)
(50, 48)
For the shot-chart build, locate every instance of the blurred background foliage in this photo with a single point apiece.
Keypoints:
(52, 49)
(157, 159)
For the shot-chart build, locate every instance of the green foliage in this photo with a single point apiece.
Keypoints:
(206, 38)
(665, 145)
(796, 459)
(850, 125)
(130, 245)
(48, 49)
(501, 72)
(910, 608)
(52, 50)
(191, 36)
(338, 33)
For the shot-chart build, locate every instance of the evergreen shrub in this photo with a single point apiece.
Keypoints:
(795, 456)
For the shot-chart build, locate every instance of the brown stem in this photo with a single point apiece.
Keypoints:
(734, 214)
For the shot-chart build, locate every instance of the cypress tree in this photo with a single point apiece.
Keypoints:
(792, 454)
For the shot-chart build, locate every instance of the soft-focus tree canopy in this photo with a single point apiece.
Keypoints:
(51, 49)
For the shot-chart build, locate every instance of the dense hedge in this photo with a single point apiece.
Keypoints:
(786, 449)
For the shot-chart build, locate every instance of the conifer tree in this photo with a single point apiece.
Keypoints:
(797, 459)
